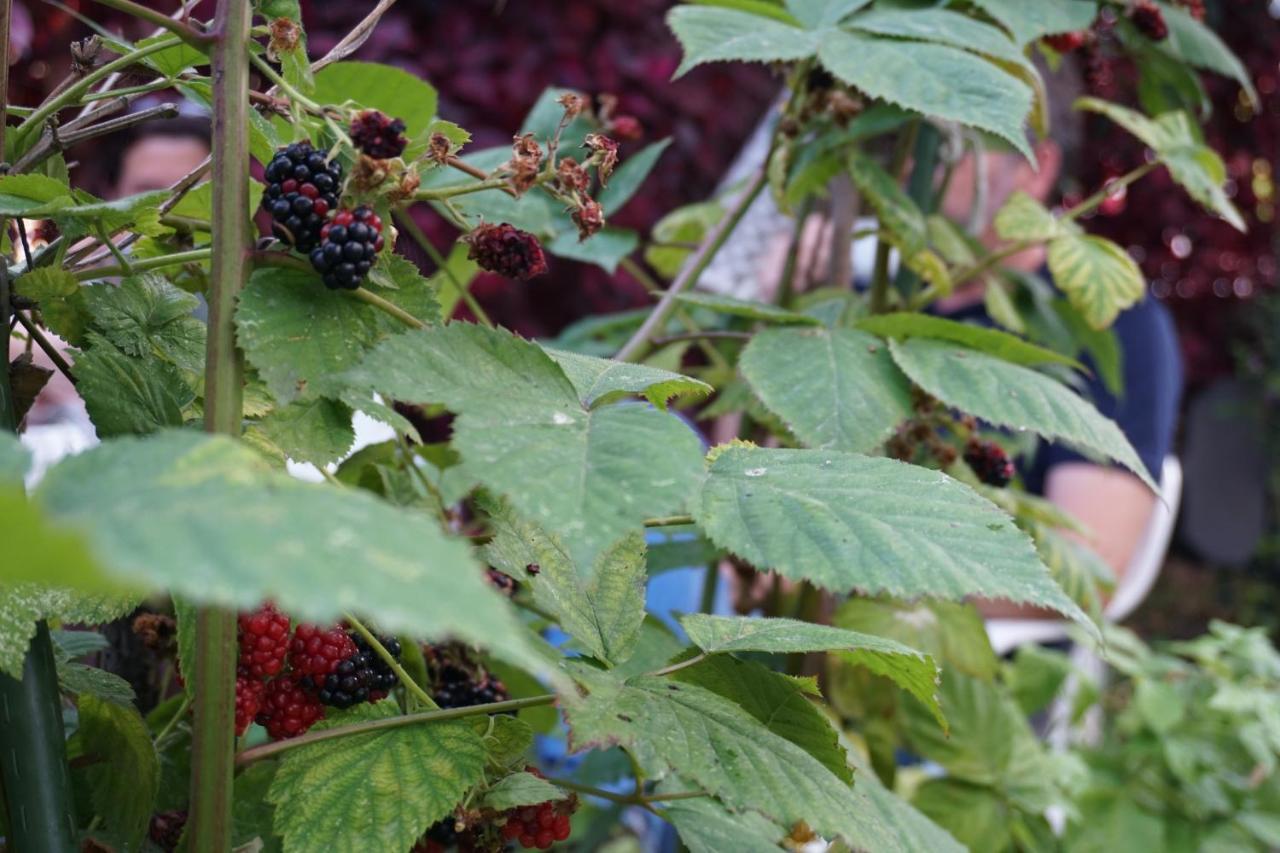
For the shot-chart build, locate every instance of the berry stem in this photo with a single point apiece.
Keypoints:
(460, 189)
(640, 343)
(280, 83)
(214, 676)
(423, 697)
(269, 750)
(144, 264)
(669, 521)
(442, 265)
(182, 30)
(625, 799)
(684, 664)
(371, 298)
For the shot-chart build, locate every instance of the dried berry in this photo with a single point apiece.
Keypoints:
(165, 829)
(604, 154)
(525, 163)
(378, 135)
(1149, 20)
(589, 217)
(507, 250)
(989, 462)
(157, 631)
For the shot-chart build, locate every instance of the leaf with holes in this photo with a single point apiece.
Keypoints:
(589, 476)
(601, 380)
(835, 388)
(843, 522)
(1010, 395)
(375, 791)
(910, 669)
(1098, 276)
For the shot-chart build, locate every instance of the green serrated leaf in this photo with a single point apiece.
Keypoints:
(314, 550)
(1024, 218)
(628, 177)
(146, 315)
(61, 301)
(129, 396)
(21, 195)
(834, 388)
(1196, 44)
(77, 679)
(1027, 22)
(22, 605)
(910, 669)
(506, 739)
(601, 380)
(520, 789)
(707, 826)
(589, 476)
(935, 79)
(1097, 275)
(973, 814)
(601, 606)
(941, 26)
(318, 431)
(118, 737)
(818, 13)
(605, 249)
(903, 326)
(407, 287)
(376, 791)
(895, 210)
(1001, 308)
(392, 90)
(953, 634)
(1010, 395)
(724, 750)
(955, 246)
(726, 35)
(844, 521)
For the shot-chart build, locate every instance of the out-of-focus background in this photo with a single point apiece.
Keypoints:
(490, 60)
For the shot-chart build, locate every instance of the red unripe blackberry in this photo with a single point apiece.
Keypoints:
(626, 127)
(507, 250)
(288, 709)
(264, 641)
(1149, 20)
(348, 245)
(989, 462)
(302, 188)
(1065, 43)
(249, 693)
(317, 651)
(378, 135)
(539, 826)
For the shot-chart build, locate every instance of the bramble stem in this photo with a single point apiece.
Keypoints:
(424, 242)
(272, 749)
(144, 264)
(46, 346)
(182, 30)
(213, 745)
(669, 521)
(636, 799)
(459, 189)
(640, 343)
(389, 659)
(387, 307)
(684, 664)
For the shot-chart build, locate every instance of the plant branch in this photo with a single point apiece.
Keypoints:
(409, 684)
(684, 664)
(272, 749)
(635, 799)
(145, 264)
(669, 521)
(181, 29)
(460, 189)
(406, 222)
(639, 344)
(682, 316)
(1109, 189)
(353, 40)
(701, 335)
(387, 307)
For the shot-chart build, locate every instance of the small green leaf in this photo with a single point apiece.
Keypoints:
(895, 210)
(1024, 218)
(950, 241)
(953, 634)
(974, 814)
(844, 521)
(601, 380)
(727, 35)
(172, 61)
(146, 315)
(520, 789)
(376, 791)
(744, 308)
(1010, 395)
(23, 194)
(834, 388)
(252, 815)
(903, 326)
(129, 396)
(601, 606)
(317, 431)
(934, 79)
(398, 280)
(77, 679)
(118, 738)
(506, 739)
(392, 90)
(605, 249)
(911, 670)
(1098, 276)
(1198, 45)
(61, 301)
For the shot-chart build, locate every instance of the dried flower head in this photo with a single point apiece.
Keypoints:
(604, 154)
(526, 160)
(573, 104)
(506, 250)
(439, 148)
(84, 54)
(571, 176)
(589, 217)
(368, 174)
(285, 35)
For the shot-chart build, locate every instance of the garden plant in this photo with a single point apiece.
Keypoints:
(364, 663)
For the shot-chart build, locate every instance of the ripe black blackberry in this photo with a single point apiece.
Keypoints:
(455, 687)
(378, 135)
(302, 188)
(989, 462)
(348, 245)
(362, 677)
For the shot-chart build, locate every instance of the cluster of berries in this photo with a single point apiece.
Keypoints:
(1146, 17)
(285, 679)
(538, 826)
(302, 197)
(459, 682)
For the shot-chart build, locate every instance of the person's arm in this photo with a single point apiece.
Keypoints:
(1111, 503)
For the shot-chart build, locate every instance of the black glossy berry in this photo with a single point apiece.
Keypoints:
(348, 245)
(362, 677)
(301, 191)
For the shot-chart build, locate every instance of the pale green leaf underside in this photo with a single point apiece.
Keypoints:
(520, 789)
(1024, 218)
(910, 669)
(710, 34)
(845, 522)
(375, 791)
(1013, 396)
(601, 606)
(1098, 276)
(601, 380)
(157, 512)
(1202, 47)
(588, 476)
(934, 79)
(718, 746)
(834, 388)
(706, 826)
(817, 13)
(1029, 21)
(992, 341)
(942, 26)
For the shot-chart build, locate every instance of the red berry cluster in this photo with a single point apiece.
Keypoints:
(1065, 43)
(317, 651)
(507, 250)
(378, 135)
(264, 641)
(288, 709)
(989, 462)
(537, 826)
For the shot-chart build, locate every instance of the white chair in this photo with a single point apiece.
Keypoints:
(1134, 584)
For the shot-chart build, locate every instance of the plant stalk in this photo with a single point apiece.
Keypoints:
(180, 29)
(879, 302)
(213, 745)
